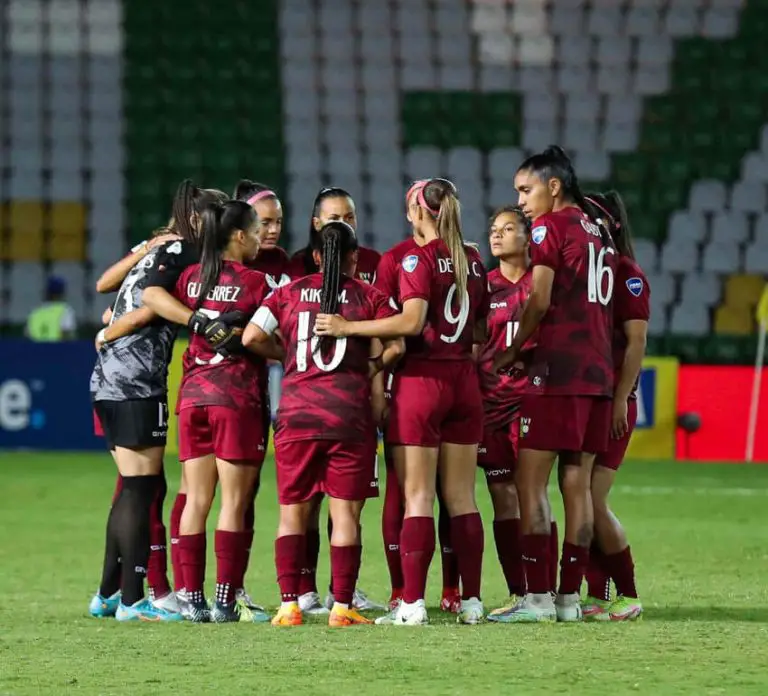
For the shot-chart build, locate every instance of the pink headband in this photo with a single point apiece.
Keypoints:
(261, 194)
(597, 205)
(423, 203)
(414, 187)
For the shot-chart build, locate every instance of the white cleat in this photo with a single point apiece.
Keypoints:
(362, 602)
(414, 614)
(242, 596)
(310, 603)
(182, 599)
(471, 612)
(568, 608)
(169, 603)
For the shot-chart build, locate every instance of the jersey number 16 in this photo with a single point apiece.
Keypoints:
(596, 272)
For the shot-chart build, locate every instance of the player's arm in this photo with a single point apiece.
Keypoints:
(385, 355)
(410, 322)
(165, 305)
(636, 331)
(127, 324)
(260, 335)
(106, 317)
(110, 280)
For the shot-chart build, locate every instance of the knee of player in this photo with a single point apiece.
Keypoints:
(419, 496)
(504, 499)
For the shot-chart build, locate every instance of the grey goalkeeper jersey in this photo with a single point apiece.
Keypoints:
(134, 366)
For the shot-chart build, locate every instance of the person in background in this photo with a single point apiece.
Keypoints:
(54, 320)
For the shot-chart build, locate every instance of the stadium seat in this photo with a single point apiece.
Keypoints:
(692, 320)
(700, 288)
(734, 320)
(680, 256)
(687, 226)
(743, 290)
(729, 227)
(646, 255)
(721, 257)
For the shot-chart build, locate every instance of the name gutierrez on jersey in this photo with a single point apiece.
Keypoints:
(312, 295)
(220, 293)
(446, 266)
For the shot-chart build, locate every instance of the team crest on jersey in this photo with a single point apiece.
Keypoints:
(635, 286)
(410, 263)
(538, 234)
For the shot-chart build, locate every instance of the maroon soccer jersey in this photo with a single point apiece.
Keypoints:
(273, 263)
(210, 379)
(427, 273)
(367, 261)
(573, 350)
(502, 392)
(326, 393)
(388, 270)
(630, 302)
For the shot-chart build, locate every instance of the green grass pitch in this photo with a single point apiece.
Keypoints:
(699, 535)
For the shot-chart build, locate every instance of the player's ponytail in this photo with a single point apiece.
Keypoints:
(439, 198)
(554, 163)
(188, 204)
(609, 206)
(217, 224)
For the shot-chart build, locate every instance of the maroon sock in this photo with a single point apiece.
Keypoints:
(536, 562)
(391, 526)
(554, 551)
(345, 566)
(192, 552)
(448, 558)
(329, 530)
(176, 510)
(248, 539)
(621, 568)
(308, 581)
(244, 541)
(290, 552)
(157, 567)
(573, 563)
(118, 488)
(229, 561)
(468, 537)
(417, 546)
(506, 534)
(598, 580)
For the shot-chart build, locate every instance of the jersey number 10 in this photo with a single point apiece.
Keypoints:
(307, 344)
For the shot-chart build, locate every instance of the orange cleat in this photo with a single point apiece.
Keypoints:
(451, 601)
(394, 600)
(288, 615)
(341, 616)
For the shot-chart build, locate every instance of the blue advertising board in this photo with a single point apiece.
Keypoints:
(44, 397)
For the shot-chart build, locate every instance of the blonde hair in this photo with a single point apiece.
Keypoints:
(440, 195)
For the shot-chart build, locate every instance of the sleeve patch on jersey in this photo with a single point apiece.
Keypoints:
(538, 234)
(174, 248)
(410, 263)
(635, 286)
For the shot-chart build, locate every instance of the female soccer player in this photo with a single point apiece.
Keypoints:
(437, 412)
(330, 204)
(221, 439)
(387, 276)
(325, 435)
(566, 410)
(610, 556)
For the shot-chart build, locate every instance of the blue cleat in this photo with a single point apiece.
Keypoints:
(144, 610)
(103, 607)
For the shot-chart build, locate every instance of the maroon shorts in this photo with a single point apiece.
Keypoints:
(614, 455)
(441, 404)
(344, 470)
(234, 435)
(565, 423)
(98, 430)
(497, 453)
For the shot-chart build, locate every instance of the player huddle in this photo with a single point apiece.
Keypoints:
(532, 363)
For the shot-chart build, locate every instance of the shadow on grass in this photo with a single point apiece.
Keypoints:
(735, 614)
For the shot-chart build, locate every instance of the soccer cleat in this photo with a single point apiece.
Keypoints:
(288, 615)
(594, 609)
(470, 612)
(394, 600)
(451, 600)
(242, 596)
(510, 604)
(182, 599)
(532, 608)
(360, 601)
(309, 603)
(568, 607)
(143, 610)
(625, 609)
(346, 616)
(414, 614)
(236, 611)
(197, 612)
(102, 607)
(168, 602)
